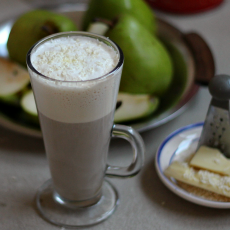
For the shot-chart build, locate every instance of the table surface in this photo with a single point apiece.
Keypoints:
(145, 203)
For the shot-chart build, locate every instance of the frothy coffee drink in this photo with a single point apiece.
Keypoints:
(76, 104)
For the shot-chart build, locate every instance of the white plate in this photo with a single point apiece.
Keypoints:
(177, 145)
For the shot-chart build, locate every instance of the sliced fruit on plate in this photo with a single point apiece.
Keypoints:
(28, 103)
(13, 79)
(98, 27)
(132, 106)
(135, 106)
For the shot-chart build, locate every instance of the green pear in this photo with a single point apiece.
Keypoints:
(31, 27)
(148, 67)
(134, 106)
(109, 9)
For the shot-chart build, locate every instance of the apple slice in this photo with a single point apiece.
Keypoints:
(13, 79)
(135, 106)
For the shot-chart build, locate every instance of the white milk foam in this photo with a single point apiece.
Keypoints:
(75, 59)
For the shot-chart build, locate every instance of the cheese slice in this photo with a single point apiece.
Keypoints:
(212, 160)
(204, 179)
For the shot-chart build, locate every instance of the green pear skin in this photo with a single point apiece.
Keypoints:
(109, 9)
(147, 67)
(31, 27)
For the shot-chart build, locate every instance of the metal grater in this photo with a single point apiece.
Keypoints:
(216, 129)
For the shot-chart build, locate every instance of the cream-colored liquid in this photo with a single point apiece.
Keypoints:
(77, 154)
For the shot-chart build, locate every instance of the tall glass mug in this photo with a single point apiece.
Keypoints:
(76, 119)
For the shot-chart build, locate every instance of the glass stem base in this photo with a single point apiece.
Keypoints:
(64, 216)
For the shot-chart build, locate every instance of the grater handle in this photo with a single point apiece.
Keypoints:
(219, 87)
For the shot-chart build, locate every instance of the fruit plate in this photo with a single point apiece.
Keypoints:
(190, 64)
(177, 146)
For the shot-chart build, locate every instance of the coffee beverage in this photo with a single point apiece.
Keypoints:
(76, 107)
(77, 152)
(75, 78)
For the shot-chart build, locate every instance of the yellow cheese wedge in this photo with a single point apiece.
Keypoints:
(212, 160)
(210, 181)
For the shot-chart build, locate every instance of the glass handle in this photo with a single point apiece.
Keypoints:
(134, 138)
